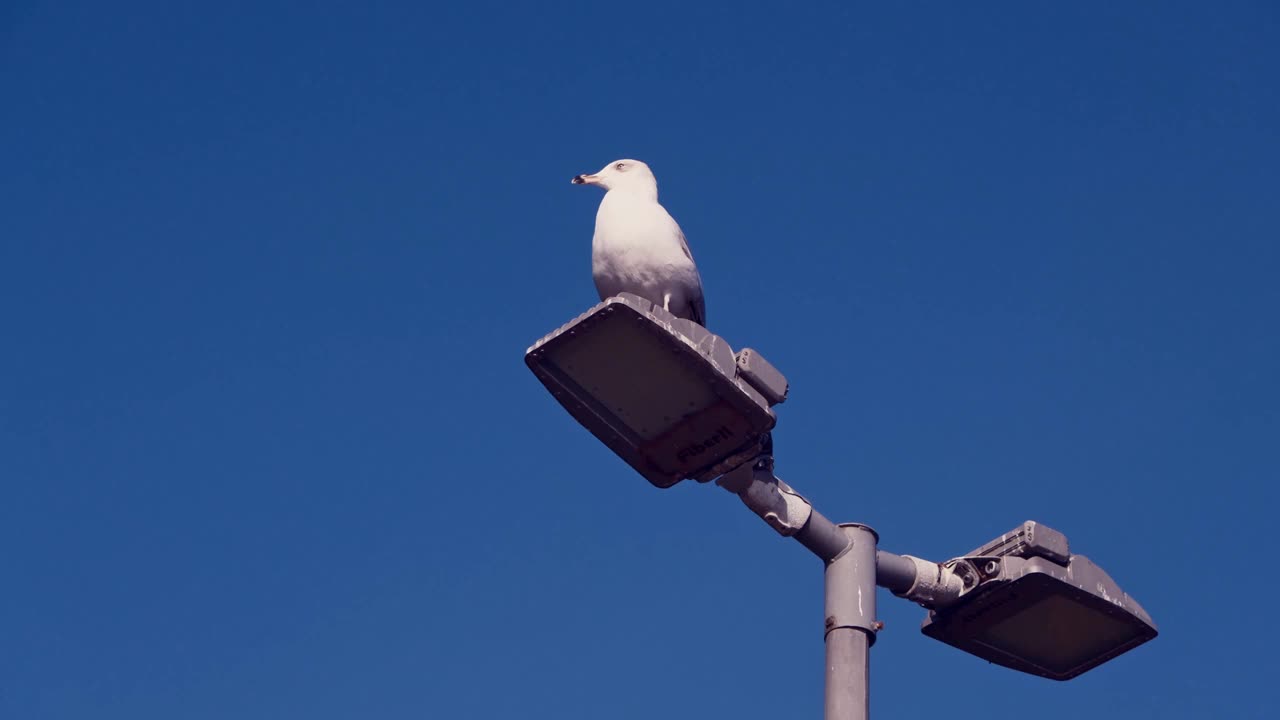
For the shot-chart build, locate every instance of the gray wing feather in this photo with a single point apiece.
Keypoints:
(698, 309)
(697, 304)
(684, 244)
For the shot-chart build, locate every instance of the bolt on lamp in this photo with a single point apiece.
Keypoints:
(675, 402)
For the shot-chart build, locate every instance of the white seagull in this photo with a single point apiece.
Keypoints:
(638, 247)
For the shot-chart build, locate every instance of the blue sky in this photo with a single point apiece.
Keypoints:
(268, 447)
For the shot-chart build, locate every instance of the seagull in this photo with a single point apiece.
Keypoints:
(638, 247)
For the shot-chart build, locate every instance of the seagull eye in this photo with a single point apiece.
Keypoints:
(621, 166)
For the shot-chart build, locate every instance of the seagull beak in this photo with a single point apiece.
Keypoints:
(586, 180)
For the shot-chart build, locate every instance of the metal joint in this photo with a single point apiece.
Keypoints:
(936, 585)
(773, 500)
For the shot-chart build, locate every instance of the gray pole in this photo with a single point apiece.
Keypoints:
(849, 553)
(850, 625)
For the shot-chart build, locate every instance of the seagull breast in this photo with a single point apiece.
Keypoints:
(639, 248)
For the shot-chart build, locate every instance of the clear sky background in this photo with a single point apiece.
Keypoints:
(268, 447)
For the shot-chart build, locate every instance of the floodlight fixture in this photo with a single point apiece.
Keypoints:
(1028, 604)
(676, 402)
(670, 398)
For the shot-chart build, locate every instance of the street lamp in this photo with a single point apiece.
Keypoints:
(1030, 605)
(668, 397)
(675, 402)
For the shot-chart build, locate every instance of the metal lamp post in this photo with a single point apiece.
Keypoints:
(676, 402)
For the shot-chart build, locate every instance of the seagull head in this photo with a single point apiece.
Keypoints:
(629, 176)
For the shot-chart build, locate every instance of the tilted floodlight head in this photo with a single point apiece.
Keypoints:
(1030, 605)
(666, 395)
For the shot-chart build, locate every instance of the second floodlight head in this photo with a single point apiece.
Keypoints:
(1033, 606)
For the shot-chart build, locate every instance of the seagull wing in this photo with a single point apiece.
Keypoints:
(684, 244)
(697, 303)
(698, 309)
